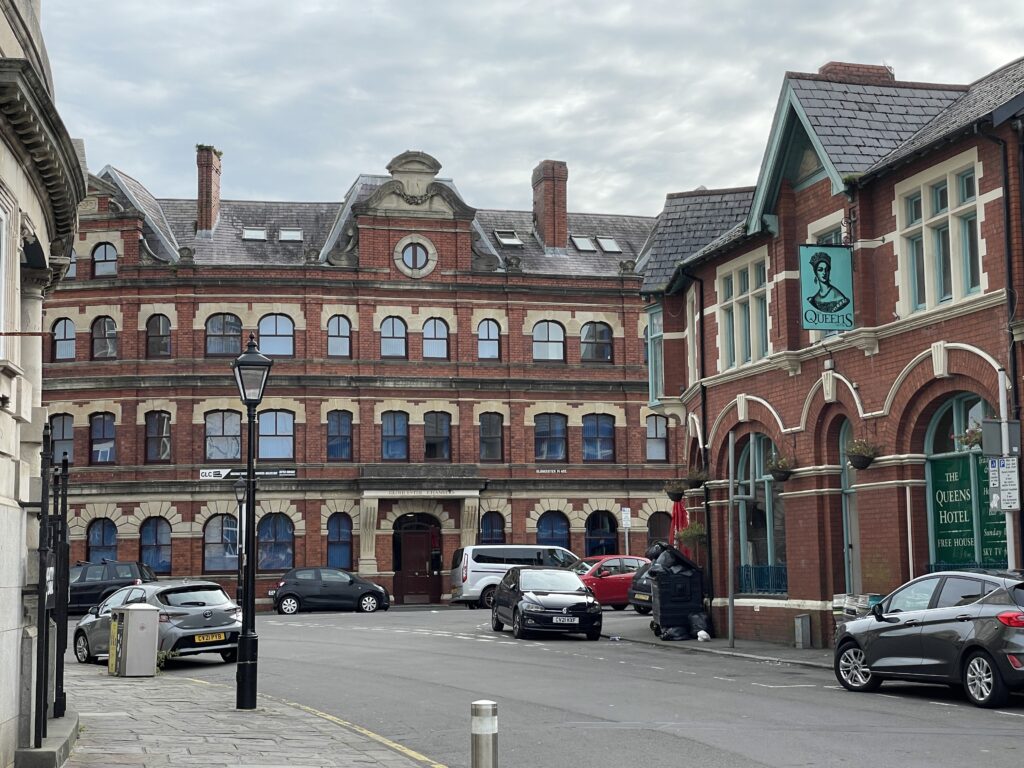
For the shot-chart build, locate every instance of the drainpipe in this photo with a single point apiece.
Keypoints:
(705, 454)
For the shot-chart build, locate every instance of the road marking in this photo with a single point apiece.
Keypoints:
(727, 679)
(1012, 714)
(795, 685)
(685, 672)
(943, 703)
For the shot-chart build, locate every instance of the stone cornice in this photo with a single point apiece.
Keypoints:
(32, 121)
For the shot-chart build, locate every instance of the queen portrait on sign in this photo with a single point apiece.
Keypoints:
(828, 298)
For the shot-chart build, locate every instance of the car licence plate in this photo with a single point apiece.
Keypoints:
(641, 597)
(271, 592)
(564, 620)
(209, 638)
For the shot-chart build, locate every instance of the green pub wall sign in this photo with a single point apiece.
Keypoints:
(826, 287)
(960, 513)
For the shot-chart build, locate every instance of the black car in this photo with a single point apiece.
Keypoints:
(951, 627)
(545, 600)
(92, 583)
(311, 589)
(639, 594)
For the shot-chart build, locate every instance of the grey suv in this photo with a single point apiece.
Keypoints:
(195, 617)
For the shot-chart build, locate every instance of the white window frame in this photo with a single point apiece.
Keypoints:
(289, 235)
(740, 331)
(254, 233)
(928, 229)
(655, 354)
(823, 231)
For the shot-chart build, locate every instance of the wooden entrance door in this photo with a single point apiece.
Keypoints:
(417, 577)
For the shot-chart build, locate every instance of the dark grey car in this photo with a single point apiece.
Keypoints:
(195, 617)
(959, 627)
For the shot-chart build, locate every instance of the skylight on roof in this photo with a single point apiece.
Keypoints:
(608, 244)
(254, 233)
(290, 234)
(507, 237)
(583, 243)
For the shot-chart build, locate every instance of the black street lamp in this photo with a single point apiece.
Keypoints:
(251, 371)
(240, 487)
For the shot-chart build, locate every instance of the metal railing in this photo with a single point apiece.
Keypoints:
(763, 579)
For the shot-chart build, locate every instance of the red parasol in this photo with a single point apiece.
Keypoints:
(680, 520)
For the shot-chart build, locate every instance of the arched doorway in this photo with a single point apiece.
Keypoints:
(963, 532)
(416, 558)
(602, 536)
(762, 521)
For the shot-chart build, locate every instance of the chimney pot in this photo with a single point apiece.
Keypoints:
(550, 214)
(863, 74)
(208, 197)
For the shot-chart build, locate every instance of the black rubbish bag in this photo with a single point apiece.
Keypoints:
(656, 548)
(676, 633)
(699, 621)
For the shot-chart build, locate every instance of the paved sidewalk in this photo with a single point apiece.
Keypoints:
(172, 720)
(631, 627)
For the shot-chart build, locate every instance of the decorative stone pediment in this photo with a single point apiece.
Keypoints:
(414, 191)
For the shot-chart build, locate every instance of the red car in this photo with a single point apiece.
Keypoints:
(609, 577)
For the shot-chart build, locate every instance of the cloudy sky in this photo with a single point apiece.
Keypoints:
(639, 97)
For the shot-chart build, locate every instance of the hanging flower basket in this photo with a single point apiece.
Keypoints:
(781, 475)
(675, 489)
(780, 467)
(695, 478)
(861, 453)
(860, 462)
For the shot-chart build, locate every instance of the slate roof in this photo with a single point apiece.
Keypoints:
(858, 125)
(137, 196)
(688, 223)
(981, 99)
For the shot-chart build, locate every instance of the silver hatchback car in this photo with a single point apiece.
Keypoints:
(195, 617)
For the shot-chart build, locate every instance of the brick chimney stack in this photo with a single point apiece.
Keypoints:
(208, 199)
(863, 74)
(550, 216)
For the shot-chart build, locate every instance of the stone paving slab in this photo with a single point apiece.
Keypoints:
(172, 720)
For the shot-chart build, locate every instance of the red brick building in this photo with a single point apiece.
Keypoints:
(442, 375)
(922, 182)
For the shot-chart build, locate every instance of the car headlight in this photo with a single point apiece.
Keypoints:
(594, 608)
(533, 607)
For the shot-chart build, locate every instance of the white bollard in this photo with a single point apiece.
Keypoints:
(484, 735)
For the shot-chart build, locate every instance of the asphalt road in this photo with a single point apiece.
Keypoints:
(410, 675)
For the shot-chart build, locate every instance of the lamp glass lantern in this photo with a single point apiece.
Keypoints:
(251, 370)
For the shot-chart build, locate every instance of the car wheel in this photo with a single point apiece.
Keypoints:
(852, 670)
(288, 605)
(517, 625)
(983, 684)
(487, 598)
(496, 624)
(368, 603)
(643, 610)
(83, 654)
(620, 607)
(230, 656)
(594, 634)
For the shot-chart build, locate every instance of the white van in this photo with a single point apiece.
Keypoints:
(477, 569)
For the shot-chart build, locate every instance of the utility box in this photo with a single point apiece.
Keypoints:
(802, 630)
(134, 634)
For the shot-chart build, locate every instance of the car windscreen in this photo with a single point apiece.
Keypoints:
(583, 566)
(550, 581)
(194, 597)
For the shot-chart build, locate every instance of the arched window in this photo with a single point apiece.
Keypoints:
(598, 437)
(101, 540)
(220, 544)
(488, 345)
(596, 343)
(414, 256)
(339, 436)
(437, 436)
(394, 431)
(277, 336)
(491, 437)
(548, 341)
(602, 537)
(104, 260)
(275, 536)
(762, 522)
(104, 339)
(550, 437)
(339, 337)
(277, 435)
(392, 337)
(72, 272)
(223, 435)
(553, 529)
(101, 439)
(492, 528)
(155, 544)
(62, 434)
(435, 339)
(339, 541)
(223, 335)
(659, 526)
(851, 520)
(64, 340)
(158, 437)
(657, 438)
(158, 336)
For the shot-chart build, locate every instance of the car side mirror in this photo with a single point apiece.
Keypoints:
(877, 612)
(603, 572)
(94, 610)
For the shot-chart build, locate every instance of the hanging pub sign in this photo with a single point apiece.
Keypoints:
(826, 287)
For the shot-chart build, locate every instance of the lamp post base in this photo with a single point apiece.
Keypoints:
(245, 674)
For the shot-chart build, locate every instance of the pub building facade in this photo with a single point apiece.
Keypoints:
(851, 320)
(442, 376)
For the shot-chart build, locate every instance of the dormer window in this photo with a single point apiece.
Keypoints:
(583, 243)
(608, 244)
(254, 233)
(507, 237)
(290, 235)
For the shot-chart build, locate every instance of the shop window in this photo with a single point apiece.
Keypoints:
(220, 544)
(155, 544)
(553, 529)
(275, 542)
(101, 540)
